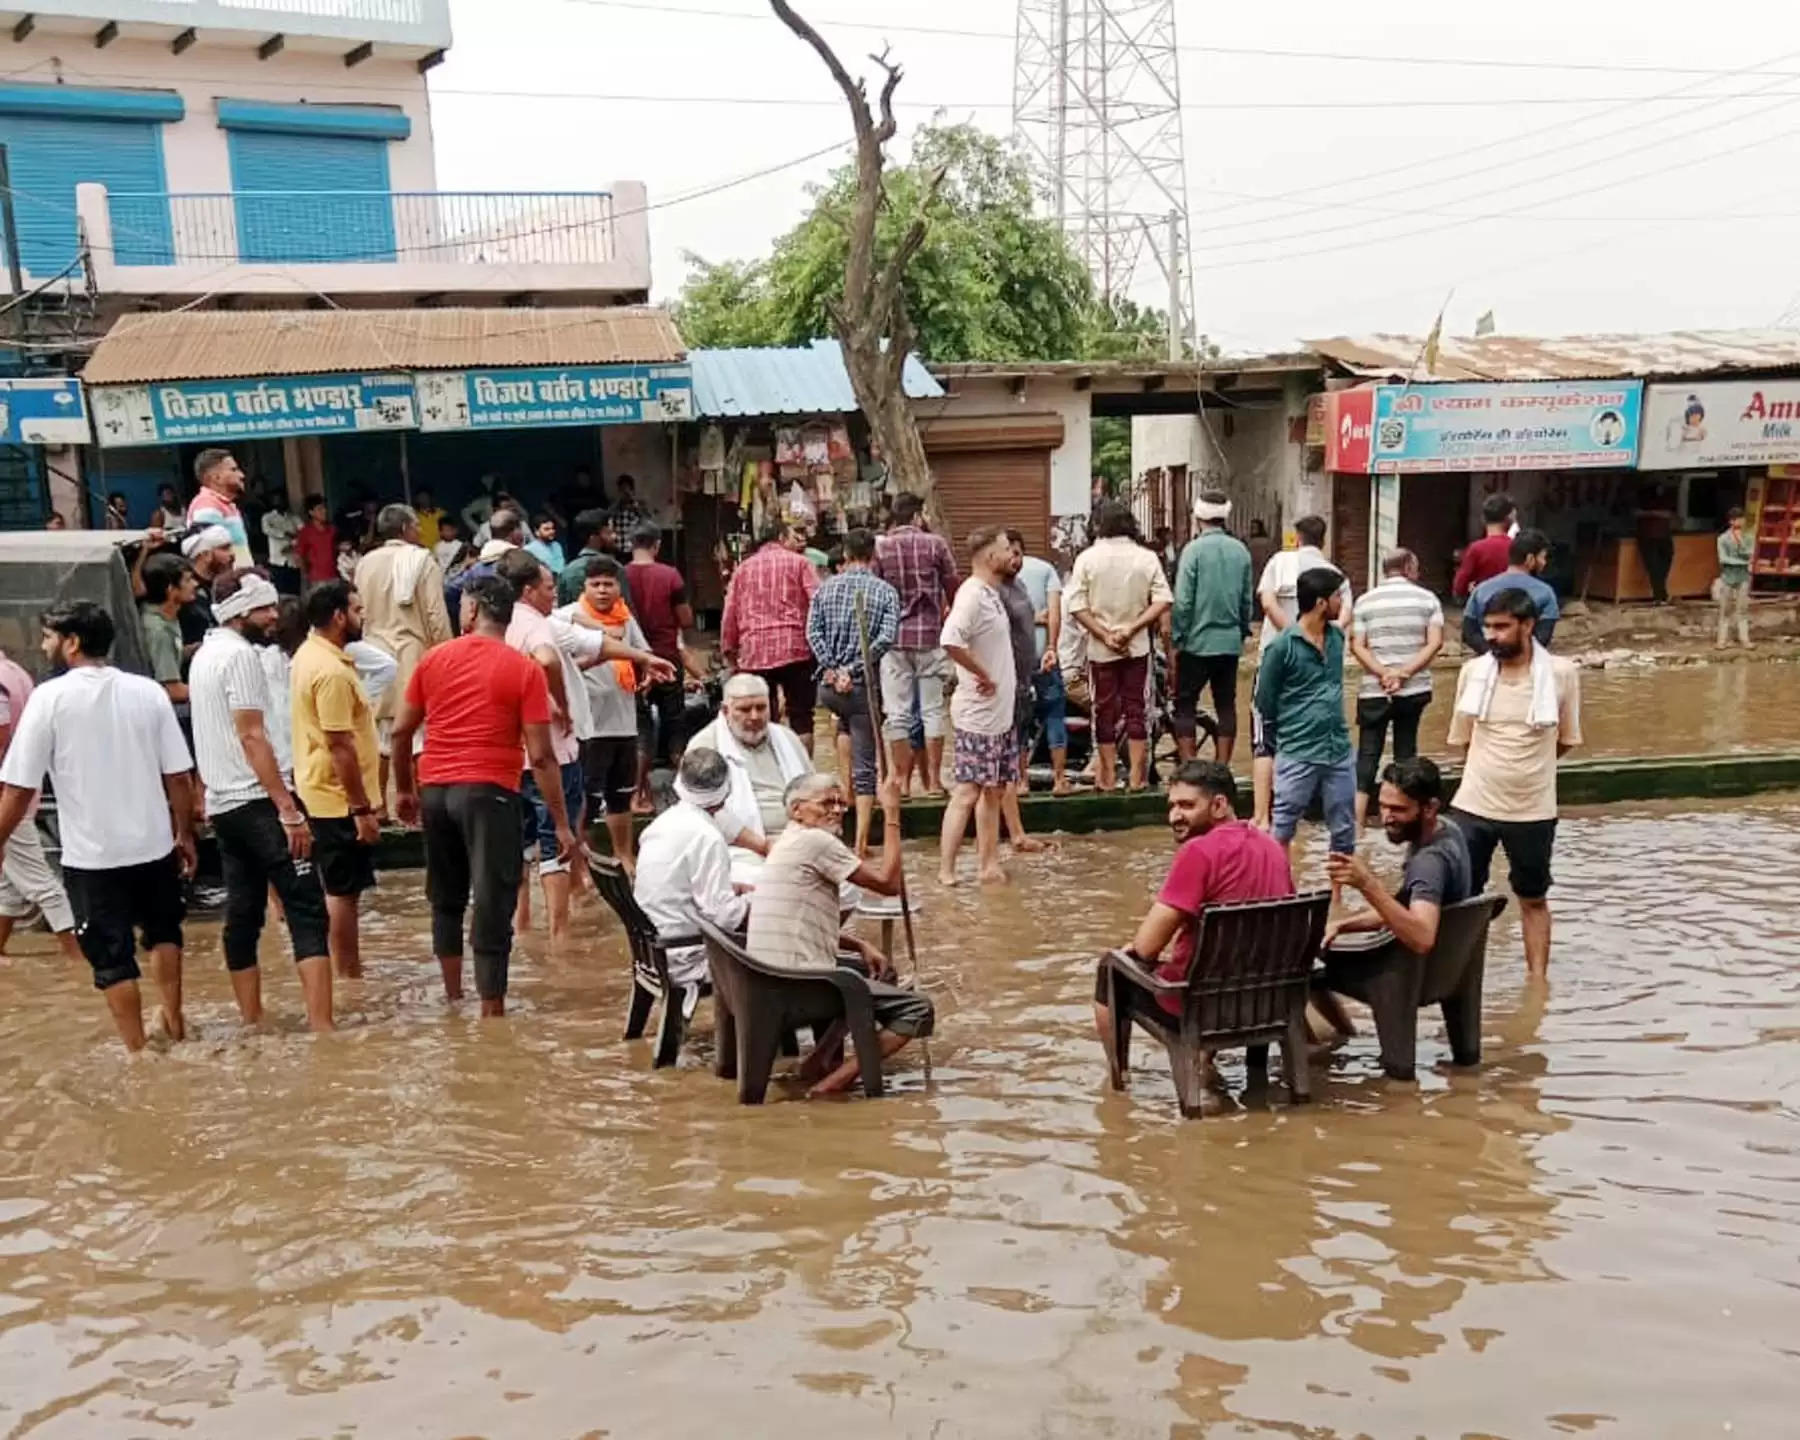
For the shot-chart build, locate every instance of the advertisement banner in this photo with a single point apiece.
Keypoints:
(43, 410)
(577, 395)
(1521, 425)
(1726, 422)
(1349, 425)
(194, 410)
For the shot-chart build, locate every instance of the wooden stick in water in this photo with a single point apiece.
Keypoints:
(872, 683)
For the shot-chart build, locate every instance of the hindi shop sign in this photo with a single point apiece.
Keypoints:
(1728, 422)
(195, 410)
(577, 395)
(1525, 425)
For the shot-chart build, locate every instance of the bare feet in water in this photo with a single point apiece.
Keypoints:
(993, 875)
(1029, 845)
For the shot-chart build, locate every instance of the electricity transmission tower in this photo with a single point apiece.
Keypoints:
(1097, 106)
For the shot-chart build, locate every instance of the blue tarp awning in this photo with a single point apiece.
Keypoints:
(775, 381)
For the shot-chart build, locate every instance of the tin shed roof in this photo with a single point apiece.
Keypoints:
(792, 380)
(236, 344)
(1565, 357)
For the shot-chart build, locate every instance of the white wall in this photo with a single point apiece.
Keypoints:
(1246, 449)
(1071, 464)
(195, 156)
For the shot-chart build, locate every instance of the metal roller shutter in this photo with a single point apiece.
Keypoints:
(348, 217)
(994, 487)
(49, 155)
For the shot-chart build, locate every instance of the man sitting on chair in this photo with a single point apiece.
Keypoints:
(765, 759)
(684, 867)
(1219, 859)
(1437, 874)
(794, 920)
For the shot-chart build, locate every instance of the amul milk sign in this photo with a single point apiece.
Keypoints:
(1727, 422)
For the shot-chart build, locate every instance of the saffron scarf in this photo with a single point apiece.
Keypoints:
(615, 620)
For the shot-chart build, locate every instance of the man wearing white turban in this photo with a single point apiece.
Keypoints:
(1215, 607)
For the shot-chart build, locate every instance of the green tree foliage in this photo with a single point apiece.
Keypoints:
(993, 281)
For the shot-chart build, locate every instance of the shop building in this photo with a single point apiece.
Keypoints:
(776, 434)
(374, 405)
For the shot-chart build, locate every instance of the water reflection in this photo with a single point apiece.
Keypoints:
(427, 1225)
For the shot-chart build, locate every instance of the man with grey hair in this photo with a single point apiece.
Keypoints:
(765, 758)
(402, 589)
(684, 864)
(794, 922)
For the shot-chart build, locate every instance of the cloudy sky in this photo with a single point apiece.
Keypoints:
(1573, 165)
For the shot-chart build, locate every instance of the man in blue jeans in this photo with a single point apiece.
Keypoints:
(1300, 693)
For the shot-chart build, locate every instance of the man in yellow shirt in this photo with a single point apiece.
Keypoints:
(337, 770)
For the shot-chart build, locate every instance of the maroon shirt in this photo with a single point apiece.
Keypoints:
(1233, 861)
(1483, 560)
(656, 589)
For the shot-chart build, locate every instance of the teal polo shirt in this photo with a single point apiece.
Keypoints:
(1301, 693)
(1214, 601)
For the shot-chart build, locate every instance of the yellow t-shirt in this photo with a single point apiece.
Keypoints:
(428, 527)
(1510, 773)
(328, 696)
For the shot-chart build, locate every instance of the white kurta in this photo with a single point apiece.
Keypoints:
(684, 873)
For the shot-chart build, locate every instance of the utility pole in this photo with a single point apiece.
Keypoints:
(1177, 310)
(15, 271)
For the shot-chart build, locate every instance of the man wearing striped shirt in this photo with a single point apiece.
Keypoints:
(1398, 630)
(263, 837)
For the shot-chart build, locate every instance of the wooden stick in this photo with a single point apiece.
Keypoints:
(871, 682)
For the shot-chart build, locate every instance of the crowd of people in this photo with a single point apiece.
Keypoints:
(503, 690)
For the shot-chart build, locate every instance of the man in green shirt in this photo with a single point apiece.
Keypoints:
(169, 583)
(1300, 692)
(1214, 608)
(1736, 550)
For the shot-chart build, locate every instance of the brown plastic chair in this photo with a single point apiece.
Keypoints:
(649, 964)
(1247, 986)
(1396, 984)
(757, 1009)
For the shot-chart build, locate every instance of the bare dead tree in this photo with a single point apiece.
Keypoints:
(873, 308)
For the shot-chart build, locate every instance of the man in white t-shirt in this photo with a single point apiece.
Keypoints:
(263, 836)
(978, 637)
(1277, 595)
(27, 882)
(112, 749)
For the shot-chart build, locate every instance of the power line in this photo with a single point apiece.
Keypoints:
(654, 7)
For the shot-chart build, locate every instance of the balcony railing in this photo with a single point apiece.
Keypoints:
(339, 227)
(416, 23)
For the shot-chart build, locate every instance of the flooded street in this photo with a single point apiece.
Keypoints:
(430, 1226)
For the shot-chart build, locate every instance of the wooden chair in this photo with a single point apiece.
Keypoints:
(757, 1010)
(1395, 983)
(1247, 986)
(649, 964)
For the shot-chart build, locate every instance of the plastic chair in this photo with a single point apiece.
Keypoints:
(1396, 984)
(1247, 986)
(649, 964)
(757, 1009)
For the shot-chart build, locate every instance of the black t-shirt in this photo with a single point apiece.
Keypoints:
(1439, 870)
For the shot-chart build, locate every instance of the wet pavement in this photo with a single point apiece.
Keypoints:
(427, 1225)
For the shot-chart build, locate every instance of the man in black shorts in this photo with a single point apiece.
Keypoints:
(1518, 710)
(1215, 606)
(118, 764)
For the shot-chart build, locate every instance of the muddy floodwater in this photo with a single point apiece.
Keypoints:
(431, 1226)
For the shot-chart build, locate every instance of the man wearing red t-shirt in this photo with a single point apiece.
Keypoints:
(315, 545)
(480, 700)
(1485, 558)
(1220, 859)
(659, 602)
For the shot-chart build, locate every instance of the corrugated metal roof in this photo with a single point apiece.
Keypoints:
(233, 344)
(1137, 369)
(1566, 357)
(795, 380)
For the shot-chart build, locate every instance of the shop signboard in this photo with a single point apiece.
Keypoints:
(574, 395)
(1349, 423)
(1512, 425)
(42, 410)
(199, 410)
(1725, 422)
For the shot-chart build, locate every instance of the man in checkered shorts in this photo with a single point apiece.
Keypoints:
(978, 637)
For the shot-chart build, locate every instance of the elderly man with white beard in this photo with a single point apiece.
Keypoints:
(765, 758)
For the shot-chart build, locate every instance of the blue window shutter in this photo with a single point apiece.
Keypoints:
(347, 216)
(50, 154)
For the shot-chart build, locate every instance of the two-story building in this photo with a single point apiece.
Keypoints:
(259, 154)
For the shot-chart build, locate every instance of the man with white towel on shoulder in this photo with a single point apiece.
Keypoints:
(1518, 710)
(765, 758)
